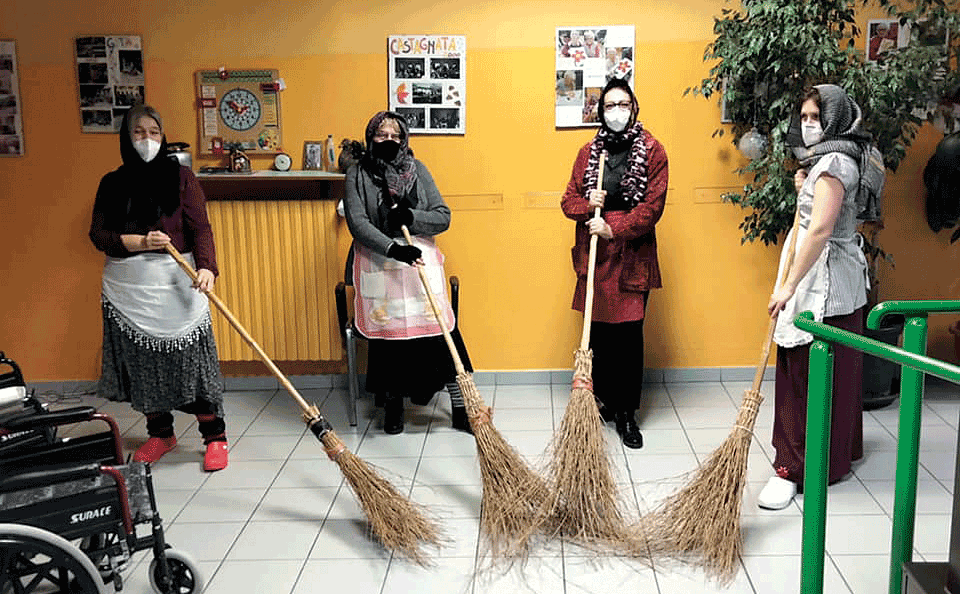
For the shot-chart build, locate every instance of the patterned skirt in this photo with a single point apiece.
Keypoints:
(156, 367)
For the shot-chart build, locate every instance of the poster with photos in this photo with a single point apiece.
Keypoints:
(109, 78)
(428, 82)
(11, 121)
(588, 57)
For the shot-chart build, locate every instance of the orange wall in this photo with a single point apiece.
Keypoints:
(512, 254)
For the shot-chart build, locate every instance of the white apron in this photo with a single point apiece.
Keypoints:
(155, 295)
(389, 301)
(811, 293)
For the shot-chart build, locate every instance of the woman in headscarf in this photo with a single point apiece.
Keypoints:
(632, 199)
(840, 179)
(407, 354)
(158, 347)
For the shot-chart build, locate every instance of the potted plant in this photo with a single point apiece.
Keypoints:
(881, 378)
(767, 51)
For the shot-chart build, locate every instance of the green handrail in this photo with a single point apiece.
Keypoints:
(820, 386)
(881, 350)
(910, 309)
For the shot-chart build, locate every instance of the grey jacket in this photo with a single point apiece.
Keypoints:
(362, 207)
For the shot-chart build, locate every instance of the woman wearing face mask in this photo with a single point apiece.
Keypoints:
(841, 174)
(407, 354)
(632, 199)
(158, 347)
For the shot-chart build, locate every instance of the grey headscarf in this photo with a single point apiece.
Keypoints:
(842, 122)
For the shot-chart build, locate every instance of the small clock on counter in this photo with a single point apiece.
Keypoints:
(282, 162)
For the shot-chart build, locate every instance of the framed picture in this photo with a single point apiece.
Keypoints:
(884, 36)
(11, 124)
(313, 155)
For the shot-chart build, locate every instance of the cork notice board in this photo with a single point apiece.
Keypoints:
(238, 108)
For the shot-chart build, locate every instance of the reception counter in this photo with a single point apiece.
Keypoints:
(277, 247)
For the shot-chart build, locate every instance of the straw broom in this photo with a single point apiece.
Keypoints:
(512, 491)
(394, 520)
(702, 520)
(585, 503)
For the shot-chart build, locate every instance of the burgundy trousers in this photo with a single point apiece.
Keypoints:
(790, 412)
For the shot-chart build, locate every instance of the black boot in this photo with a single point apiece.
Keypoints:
(393, 414)
(628, 430)
(460, 419)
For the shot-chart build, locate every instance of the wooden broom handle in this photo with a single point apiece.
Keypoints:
(246, 336)
(591, 269)
(772, 326)
(457, 363)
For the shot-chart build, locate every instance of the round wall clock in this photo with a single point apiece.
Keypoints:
(282, 162)
(240, 109)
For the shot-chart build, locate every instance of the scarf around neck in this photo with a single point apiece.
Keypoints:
(634, 180)
(843, 132)
(398, 176)
(153, 188)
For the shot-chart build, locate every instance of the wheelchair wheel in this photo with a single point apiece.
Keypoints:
(33, 560)
(184, 571)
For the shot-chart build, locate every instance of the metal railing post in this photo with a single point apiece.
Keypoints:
(908, 453)
(816, 467)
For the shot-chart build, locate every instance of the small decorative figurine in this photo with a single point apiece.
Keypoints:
(239, 161)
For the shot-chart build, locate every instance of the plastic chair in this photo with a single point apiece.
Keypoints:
(349, 335)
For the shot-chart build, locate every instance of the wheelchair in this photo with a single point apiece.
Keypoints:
(70, 506)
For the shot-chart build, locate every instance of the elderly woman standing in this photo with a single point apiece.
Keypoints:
(158, 347)
(632, 199)
(841, 177)
(407, 355)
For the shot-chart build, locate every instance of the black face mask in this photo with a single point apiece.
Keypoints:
(386, 150)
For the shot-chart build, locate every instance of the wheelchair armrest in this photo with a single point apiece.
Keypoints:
(35, 420)
(48, 476)
(340, 294)
(455, 295)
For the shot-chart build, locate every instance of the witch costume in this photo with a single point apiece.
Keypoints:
(159, 352)
(635, 178)
(834, 289)
(407, 354)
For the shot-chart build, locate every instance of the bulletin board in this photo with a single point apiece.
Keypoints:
(238, 108)
(587, 58)
(428, 82)
(110, 79)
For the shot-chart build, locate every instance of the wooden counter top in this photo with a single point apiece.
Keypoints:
(272, 185)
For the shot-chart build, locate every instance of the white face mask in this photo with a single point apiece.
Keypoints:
(147, 148)
(617, 118)
(812, 133)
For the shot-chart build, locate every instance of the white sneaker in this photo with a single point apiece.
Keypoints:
(777, 494)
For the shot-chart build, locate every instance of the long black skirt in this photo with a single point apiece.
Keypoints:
(416, 368)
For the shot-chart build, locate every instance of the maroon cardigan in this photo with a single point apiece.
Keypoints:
(629, 261)
(188, 227)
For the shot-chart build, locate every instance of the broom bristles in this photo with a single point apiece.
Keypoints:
(398, 523)
(512, 492)
(701, 522)
(586, 506)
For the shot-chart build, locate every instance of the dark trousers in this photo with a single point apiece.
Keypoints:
(790, 411)
(617, 364)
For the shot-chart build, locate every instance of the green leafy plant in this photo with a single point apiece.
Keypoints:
(767, 51)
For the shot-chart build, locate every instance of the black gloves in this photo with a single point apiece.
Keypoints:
(404, 253)
(401, 215)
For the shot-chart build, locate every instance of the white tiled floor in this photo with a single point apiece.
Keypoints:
(280, 519)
